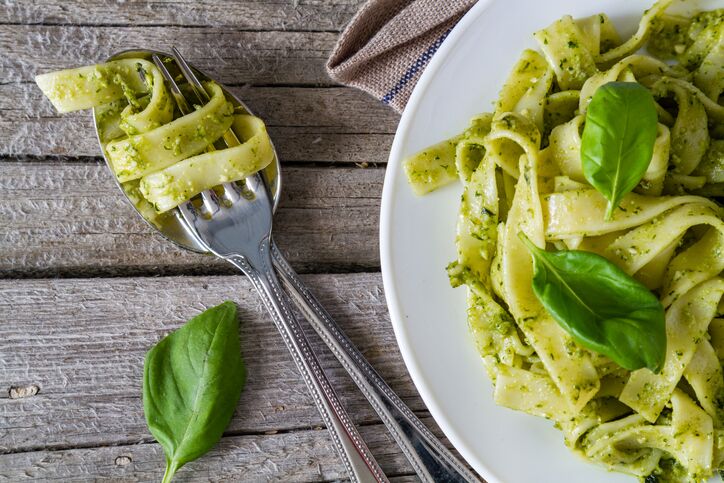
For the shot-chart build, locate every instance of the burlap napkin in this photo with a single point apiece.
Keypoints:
(388, 44)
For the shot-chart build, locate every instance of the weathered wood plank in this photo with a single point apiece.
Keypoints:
(299, 456)
(75, 350)
(229, 55)
(306, 15)
(334, 124)
(71, 220)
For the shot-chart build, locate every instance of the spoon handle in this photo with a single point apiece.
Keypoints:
(430, 459)
(359, 462)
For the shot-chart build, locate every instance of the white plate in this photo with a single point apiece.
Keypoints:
(417, 241)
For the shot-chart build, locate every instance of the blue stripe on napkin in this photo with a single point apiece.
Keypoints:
(414, 68)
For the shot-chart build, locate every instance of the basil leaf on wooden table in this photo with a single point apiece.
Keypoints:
(600, 306)
(192, 380)
(618, 139)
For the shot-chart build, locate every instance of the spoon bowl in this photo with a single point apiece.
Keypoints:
(170, 225)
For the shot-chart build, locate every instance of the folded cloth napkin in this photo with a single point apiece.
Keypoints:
(388, 44)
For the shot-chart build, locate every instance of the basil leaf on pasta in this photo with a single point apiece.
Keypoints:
(618, 139)
(600, 306)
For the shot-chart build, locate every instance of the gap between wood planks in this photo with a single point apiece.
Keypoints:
(423, 415)
(67, 159)
(167, 25)
(233, 85)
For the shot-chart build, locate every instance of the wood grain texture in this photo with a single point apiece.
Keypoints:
(329, 124)
(300, 456)
(305, 15)
(227, 54)
(81, 343)
(71, 219)
(71, 360)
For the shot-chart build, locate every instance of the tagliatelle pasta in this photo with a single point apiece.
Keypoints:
(160, 161)
(521, 171)
(171, 186)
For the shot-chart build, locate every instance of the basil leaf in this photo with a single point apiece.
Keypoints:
(600, 306)
(192, 380)
(618, 139)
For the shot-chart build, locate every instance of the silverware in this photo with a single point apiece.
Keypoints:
(237, 228)
(429, 458)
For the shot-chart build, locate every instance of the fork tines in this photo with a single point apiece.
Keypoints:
(232, 192)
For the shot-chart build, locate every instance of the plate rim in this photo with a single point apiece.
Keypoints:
(388, 278)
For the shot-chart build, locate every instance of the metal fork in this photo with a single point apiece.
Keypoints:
(428, 457)
(238, 229)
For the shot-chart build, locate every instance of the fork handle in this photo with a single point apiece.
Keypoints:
(429, 458)
(358, 461)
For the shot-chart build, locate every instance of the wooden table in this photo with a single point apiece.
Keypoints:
(87, 288)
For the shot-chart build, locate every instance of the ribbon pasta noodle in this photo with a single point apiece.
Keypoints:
(521, 171)
(159, 161)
